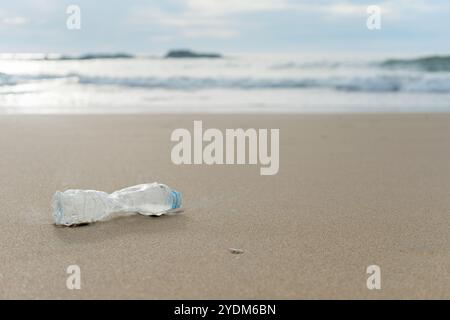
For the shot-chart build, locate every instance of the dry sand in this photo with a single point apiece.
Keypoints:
(353, 190)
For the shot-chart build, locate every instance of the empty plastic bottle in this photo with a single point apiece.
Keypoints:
(73, 207)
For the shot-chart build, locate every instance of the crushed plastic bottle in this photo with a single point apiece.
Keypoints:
(73, 207)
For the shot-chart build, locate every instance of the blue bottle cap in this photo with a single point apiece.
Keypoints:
(177, 199)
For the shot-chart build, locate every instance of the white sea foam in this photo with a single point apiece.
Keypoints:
(124, 83)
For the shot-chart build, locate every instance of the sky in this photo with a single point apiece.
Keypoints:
(268, 26)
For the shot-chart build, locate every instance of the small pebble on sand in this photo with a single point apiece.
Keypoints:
(236, 251)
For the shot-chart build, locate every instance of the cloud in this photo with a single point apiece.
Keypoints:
(13, 21)
(226, 7)
(395, 8)
(212, 33)
(8, 19)
(226, 18)
(189, 23)
(347, 9)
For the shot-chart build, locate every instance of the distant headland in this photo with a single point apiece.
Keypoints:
(183, 53)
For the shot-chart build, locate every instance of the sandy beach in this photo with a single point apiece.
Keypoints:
(352, 191)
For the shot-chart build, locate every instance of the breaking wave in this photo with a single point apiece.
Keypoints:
(429, 64)
(418, 83)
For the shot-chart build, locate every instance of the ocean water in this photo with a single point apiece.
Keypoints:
(234, 83)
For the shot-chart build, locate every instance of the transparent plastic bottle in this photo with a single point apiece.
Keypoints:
(73, 207)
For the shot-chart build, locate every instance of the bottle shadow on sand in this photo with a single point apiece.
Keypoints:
(119, 225)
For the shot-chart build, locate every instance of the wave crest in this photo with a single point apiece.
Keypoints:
(438, 84)
(430, 64)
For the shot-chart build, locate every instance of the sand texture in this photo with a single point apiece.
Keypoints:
(352, 191)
